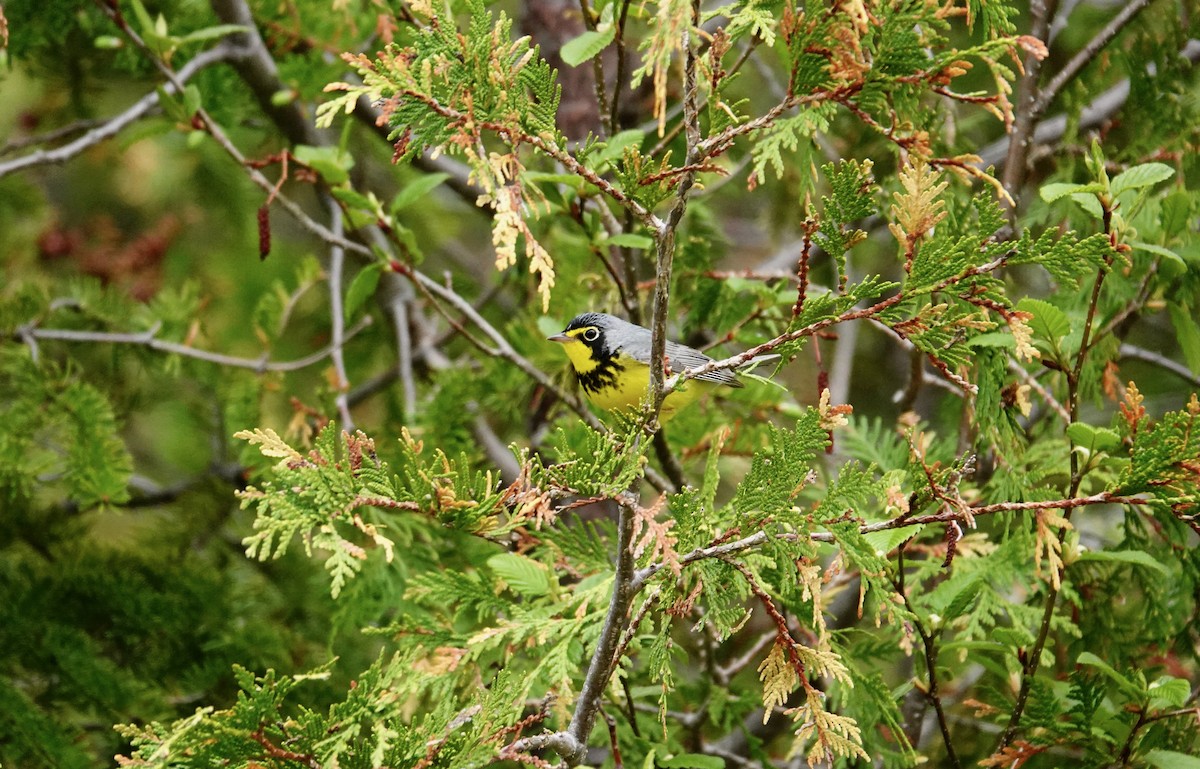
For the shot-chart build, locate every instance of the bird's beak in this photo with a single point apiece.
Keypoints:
(560, 338)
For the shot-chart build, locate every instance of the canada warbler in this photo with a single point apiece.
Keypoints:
(611, 358)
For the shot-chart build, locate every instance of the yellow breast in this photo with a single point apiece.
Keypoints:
(621, 385)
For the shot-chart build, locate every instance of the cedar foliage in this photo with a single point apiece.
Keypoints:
(987, 555)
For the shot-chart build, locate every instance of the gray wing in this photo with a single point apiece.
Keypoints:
(681, 358)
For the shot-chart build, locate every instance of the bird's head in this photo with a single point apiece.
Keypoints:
(587, 340)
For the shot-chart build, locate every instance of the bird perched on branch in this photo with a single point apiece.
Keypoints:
(611, 358)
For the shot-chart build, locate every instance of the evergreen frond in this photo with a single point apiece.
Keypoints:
(779, 471)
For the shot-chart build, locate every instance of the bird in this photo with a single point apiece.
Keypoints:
(611, 359)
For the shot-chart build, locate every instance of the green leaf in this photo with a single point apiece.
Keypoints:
(1144, 175)
(329, 162)
(524, 576)
(630, 240)
(1169, 759)
(964, 600)
(1168, 692)
(1129, 687)
(615, 147)
(171, 107)
(1093, 438)
(1090, 203)
(355, 200)
(1057, 190)
(417, 189)
(362, 287)
(1134, 557)
(588, 45)
(1187, 333)
(992, 339)
(1162, 251)
(1050, 324)
(191, 99)
(145, 23)
(693, 761)
(211, 33)
(887, 540)
(1176, 209)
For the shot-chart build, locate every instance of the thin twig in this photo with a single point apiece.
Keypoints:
(725, 673)
(1163, 362)
(109, 128)
(1080, 60)
(758, 538)
(932, 694)
(404, 353)
(600, 669)
(149, 339)
(502, 347)
(1037, 386)
(337, 318)
(614, 120)
(1033, 654)
(51, 136)
(664, 236)
(739, 360)
(598, 80)
(1026, 92)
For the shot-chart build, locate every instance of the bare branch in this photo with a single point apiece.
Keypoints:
(502, 348)
(1025, 120)
(563, 743)
(600, 669)
(931, 692)
(727, 548)
(109, 128)
(1085, 55)
(741, 359)
(52, 136)
(404, 353)
(1163, 362)
(1045, 394)
(256, 67)
(149, 339)
(664, 236)
(337, 317)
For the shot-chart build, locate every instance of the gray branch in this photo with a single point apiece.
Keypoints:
(109, 128)
(1163, 362)
(1086, 54)
(30, 334)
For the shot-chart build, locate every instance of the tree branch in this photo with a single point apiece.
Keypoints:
(1163, 362)
(932, 695)
(257, 69)
(29, 333)
(600, 668)
(723, 549)
(1026, 119)
(109, 128)
(1080, 60)
(664, 236)
(742, 358)
(337, 316)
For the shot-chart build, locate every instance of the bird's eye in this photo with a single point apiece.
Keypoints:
(591, 335)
